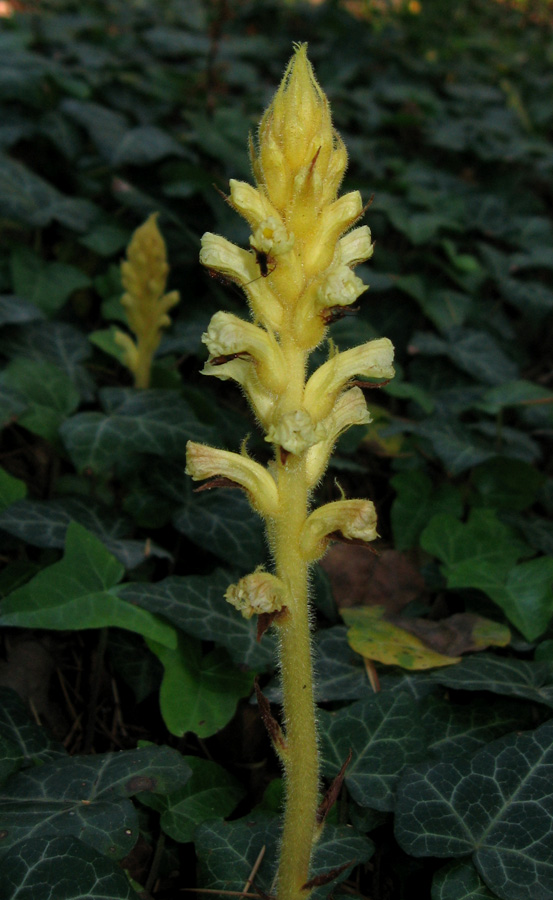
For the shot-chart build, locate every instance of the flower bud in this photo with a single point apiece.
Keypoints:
(341, 287)
(257, 594)
(271, 237)
(356, 246)
(295, 432)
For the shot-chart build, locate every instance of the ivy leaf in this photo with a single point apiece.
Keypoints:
(505, 483)
(223, 522)
(456, 729)
(87, 797)
(482, 554)
(460, 881)
(31, 740)
(475, 352)
(496, 806)
(30, 199)
(62, 868)
(11, 489)
(48, 393)
(15, 310)
(526, 598)
(198, 694)
(228, 850)
(47, 285)
(44, 523)
(500, 675)
(454, 443)
(77, 593)
(54, 342)
(384, 733)
(151, 421)
(210, 793)
(416, 502)
(197, 605)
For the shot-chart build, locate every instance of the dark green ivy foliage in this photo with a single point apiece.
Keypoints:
(113, 110)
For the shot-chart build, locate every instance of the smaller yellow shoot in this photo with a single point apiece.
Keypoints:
(144, 276)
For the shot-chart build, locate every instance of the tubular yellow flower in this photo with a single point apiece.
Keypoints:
(244, 373)
(371, 360)
(227, 335)
(349, 409)
(240, 266)
(297, 276)
(353, 519)
(207, 462)
(256, 594)
(356, 246)
(144, 276)
(251, 203)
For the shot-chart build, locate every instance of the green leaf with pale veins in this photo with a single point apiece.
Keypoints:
(459, 729)
(223, 522)
(500, 675)
(48, 393)
(198, 693)
(227, 852)
(416, 502)
(483, 553)
(158, 422)
(210, 793)
(87, 797)
(384, 733)
(32, 742)
(77, 592)
(496, 806)
(460, 881)
(62, 868)
(197, 605)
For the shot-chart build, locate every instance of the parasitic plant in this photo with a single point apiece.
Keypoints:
(297, 277)
(144, 276)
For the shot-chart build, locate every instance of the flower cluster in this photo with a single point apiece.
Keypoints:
(297, 277)
(144, 276)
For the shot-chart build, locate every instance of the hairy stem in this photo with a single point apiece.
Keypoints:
(301, 762)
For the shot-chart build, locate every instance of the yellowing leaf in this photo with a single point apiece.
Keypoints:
(374, 638)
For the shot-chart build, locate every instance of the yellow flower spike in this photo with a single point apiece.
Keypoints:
(257, 594)
(355, 520)
(228, 335)
(296, 273)
(207, 462)
(371, 360)
(144, 276)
